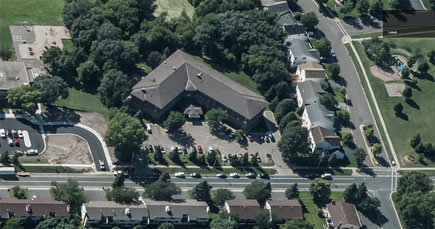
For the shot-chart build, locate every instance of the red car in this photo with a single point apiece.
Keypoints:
(251, 139)
(17, 143)
(200, 149)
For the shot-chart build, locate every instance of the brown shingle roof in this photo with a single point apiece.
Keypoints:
(286, 209)
(39, 207)
(343, 213)
(310, 65)
(245, 209)
(182, 72)
(321, 134)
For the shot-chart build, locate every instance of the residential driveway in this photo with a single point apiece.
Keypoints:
(21, 124)
(195, 134)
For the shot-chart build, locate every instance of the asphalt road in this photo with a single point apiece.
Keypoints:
(94, 144)
(21, 124)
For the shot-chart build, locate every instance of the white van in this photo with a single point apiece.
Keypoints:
(148, 128)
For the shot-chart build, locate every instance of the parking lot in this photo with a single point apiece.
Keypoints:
(34, 138)
(195, 135)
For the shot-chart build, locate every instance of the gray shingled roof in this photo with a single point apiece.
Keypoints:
(277, 7)
(344, 213)
(300, 48)
(12, 74)
(286, 209)
(320, 116)
(321, 134)
(194, 209)
(290, 24)
(39, 207)
(310, 91)
(96, 209)
(182, 71)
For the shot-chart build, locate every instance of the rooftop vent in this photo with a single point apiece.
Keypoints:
(174, 68)
(28, 208)
(143, 90)
(164, 62)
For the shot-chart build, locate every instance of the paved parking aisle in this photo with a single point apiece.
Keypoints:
(33, 131)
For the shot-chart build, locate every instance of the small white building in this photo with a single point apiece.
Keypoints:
(311, 71)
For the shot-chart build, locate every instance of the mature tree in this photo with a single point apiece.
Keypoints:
(309, 20)
(368, 130)
(360, 156)
(158, 155)
(70, 192)
(118, 181)
(174, 121)
(15, 160)
(284, 107)
(343, 117)
(51, 88)
(24, 97)
(114, 54)
(221, 195)
(346, 7)
(334, 70)
(165, 177)
(415, 141)
(192, 155)
(398, 109)
(212, 158)
(5, 52)
(363, 6)
(423, 68)
(162, 190)
(113, 88)
(224, 223)
(294, 140)
(201, 191)
(347, 139)
(412, 60)
(18, 192)
(215, 117)
(126, 134)
(265, 220)
(297, 224)
(292, 192)
(393, 4)
(56, 223)
(376, 8)
(413, 182)
(88, 73)
(376, 149)
(154, 59)
(432, 4)
(50, 57)
(123, 195)
(350, 194)
(320, 190)
(239, 134)
(12, 223)
(5, 160)
(417, 209)
(174, 155)
(431, 56)
(244, 160)
(324, 47)
(166, 226)
(328, 100)
(257, 190)
(405, 73)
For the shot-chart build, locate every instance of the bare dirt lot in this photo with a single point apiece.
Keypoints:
(67, 149)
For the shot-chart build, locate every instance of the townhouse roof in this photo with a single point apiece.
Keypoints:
(245, 209)
(182, 72)
(319, 115)
(286, 209)
(38, 207)
(12, 74)
(95, 210)
(276, 7)
(321, 134)
(310, 91)
(343, 213)
(177, 208)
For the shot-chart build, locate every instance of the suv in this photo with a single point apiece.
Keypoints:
(180, 175)
(250, 175)
(102, 166)
(3, 133)
(221, 175)
(10, 142)
(326, 176)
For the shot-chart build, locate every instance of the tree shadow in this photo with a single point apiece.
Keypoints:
(367, 170)
(354, 22)
(63, 114)
(402, 116)
(412, 85)
(412, 104)
(182, 138)
(368, 21)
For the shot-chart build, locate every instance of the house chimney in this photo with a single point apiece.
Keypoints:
(174, 68)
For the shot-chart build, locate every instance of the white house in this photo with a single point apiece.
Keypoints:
(311, 71)
(308, 92)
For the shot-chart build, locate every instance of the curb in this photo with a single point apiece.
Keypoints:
(395, 211)
(103, 143)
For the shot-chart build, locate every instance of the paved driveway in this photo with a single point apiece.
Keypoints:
(21, 124)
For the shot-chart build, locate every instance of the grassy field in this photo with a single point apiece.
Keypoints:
(427, 5)
(34, 12)
(354, 13)
(311, 214)
(364, 35)
(174, 8)
(68, 45)
(26, 160)
(82, 101)
(420, 117)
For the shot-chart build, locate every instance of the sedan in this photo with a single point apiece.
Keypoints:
(102, 166)
(200, 149)
(266, 138)
(150, 149)
(10, 142)
(20, 133)
(195, 175)
(251, 175)
(234, 175)
(251, 139)
(272, 138)
(16, 142)
(221, 175)
(3, 133)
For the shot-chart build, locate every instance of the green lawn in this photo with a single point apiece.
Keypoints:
(364, 35)
(26, 160)
(49, 169)
(34, 12)
(334, 6)
(82, 101)
(420, 120)
(174, 8)
(311, 214)
(427, 5)
(240, 76)
(338, 96)
(213, 170)
(68, 45)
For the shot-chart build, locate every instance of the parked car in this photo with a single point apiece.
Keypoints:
(234, 175)
(200, 149)
(16, 142)
(221, 128)
(195, 175)
(179, 150)
(221, 175)
(8, 133)
(180, 175)
(259, 159)
(266, 138)
(310, 33)
(148, 128)
(102, 165)
(251, 139)
(224, 158)
(184, 149)
(31, 152)
(272, 138)
(263, 176)
(172, 148)
(14, 133)
(240, 155)
(251, 175)
(210, 148)
(3, 133)
(326, 176)
(10, 142)
(312, 176)
(162, 149)
(333, 53)
(20, 134)
(150, 149)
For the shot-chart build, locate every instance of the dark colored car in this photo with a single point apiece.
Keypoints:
(150, 149)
